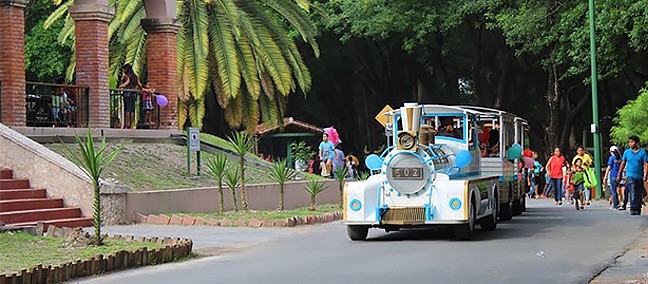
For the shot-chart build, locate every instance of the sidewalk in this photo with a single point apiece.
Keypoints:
(630, 267)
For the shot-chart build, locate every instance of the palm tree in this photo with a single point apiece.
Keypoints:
(340, 175)
(232, 179)
(217, 167)
(93, 162)
(280, 173)
(242, 143)
(314, 187)
(241, 51)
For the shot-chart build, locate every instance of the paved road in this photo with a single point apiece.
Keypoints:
(548, 244)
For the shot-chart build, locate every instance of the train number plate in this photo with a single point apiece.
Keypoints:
(407, 173)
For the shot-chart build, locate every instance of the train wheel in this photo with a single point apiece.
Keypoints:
(490, 223)
(524, 198)
(357, 232)
(465, 231)
(505, 213)
(516, 207)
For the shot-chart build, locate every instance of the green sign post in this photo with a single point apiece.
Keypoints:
(595, 115)
(193, 145)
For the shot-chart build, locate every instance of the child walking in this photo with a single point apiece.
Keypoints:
(578, 179)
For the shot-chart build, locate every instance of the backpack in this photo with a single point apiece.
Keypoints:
(590, 178)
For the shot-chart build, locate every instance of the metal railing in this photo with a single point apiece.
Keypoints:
(44, 107)
(128, 105)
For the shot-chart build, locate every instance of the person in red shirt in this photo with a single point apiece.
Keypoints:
(554, 167)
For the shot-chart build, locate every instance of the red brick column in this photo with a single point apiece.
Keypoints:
(91, 30)
(161, 46)
(12, 62)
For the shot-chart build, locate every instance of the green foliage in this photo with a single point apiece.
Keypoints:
(217, 167)
(340, 175)
(242, 143)
(363, 175)
(314, 187)
(632, 119)
(239, 51)
(93, 162)
(280, 172)
(301, 151)
(46, 59)
(232, 178)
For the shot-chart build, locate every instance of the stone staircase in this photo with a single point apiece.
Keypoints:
(21, 205)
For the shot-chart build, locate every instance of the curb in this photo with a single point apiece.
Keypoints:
(187, 220)
(173, 248)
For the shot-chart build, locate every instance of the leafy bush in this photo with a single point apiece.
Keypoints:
(301, 151)
(632, 119)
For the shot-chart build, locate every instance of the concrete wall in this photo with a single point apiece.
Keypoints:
(45, 169)
(206, 199)
(59, 177)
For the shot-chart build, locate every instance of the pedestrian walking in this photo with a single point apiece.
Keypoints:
(635, 162)
(586, 164)
(612, 170)
(555, 169)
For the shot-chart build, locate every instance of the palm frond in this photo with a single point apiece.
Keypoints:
(269, 54)
(252, 116)
(131, 8)
(234, 112)
(196, 43)
(67, 31)
(58, 13)
(298, 19)
(196, 112)
(136, 51)
(247, 65)
(224, 53)
(183, 113)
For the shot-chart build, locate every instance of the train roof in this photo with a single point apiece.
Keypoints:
(477, 110)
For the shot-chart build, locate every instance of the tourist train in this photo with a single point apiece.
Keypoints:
(452, 166)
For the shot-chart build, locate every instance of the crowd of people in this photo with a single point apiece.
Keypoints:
(574, 182)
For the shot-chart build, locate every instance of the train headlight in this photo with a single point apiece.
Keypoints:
(406, 141)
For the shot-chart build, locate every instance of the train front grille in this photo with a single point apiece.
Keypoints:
(404, 216)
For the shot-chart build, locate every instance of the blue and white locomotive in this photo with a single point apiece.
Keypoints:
(443, 177)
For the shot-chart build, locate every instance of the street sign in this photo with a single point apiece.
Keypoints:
(389, 128)
(382, 118)
(193, 139)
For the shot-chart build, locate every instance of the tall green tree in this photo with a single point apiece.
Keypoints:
(632, 119)
(240, 51)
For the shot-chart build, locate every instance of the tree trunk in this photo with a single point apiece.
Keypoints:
(553, 99)
(221, 202)
(244, 191)
(281, 197)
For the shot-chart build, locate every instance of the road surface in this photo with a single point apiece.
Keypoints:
(547, 244)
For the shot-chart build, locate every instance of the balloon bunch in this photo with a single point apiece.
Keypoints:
(333, 135)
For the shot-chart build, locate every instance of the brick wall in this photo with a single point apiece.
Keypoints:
(12, 65)
(92, 68)
(162, 73)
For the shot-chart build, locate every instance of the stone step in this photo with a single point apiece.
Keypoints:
(30, 204)
(39, 215)
(13, 183)
(67, 222)
(6, 174)
(22, 193)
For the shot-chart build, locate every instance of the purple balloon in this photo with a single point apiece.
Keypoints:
(161, 100)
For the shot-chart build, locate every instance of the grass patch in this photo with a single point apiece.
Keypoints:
(20, 250)
(268, 214)
(144, 166)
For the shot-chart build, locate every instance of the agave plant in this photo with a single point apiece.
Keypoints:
(314, 186)
(242, 143)
(240, 51)
(232, 179)
(340, 175)
(217, 167)
(281, 172)
(93, 162)
(363, 175)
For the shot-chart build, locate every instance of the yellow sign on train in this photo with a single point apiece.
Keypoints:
(382, 118)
